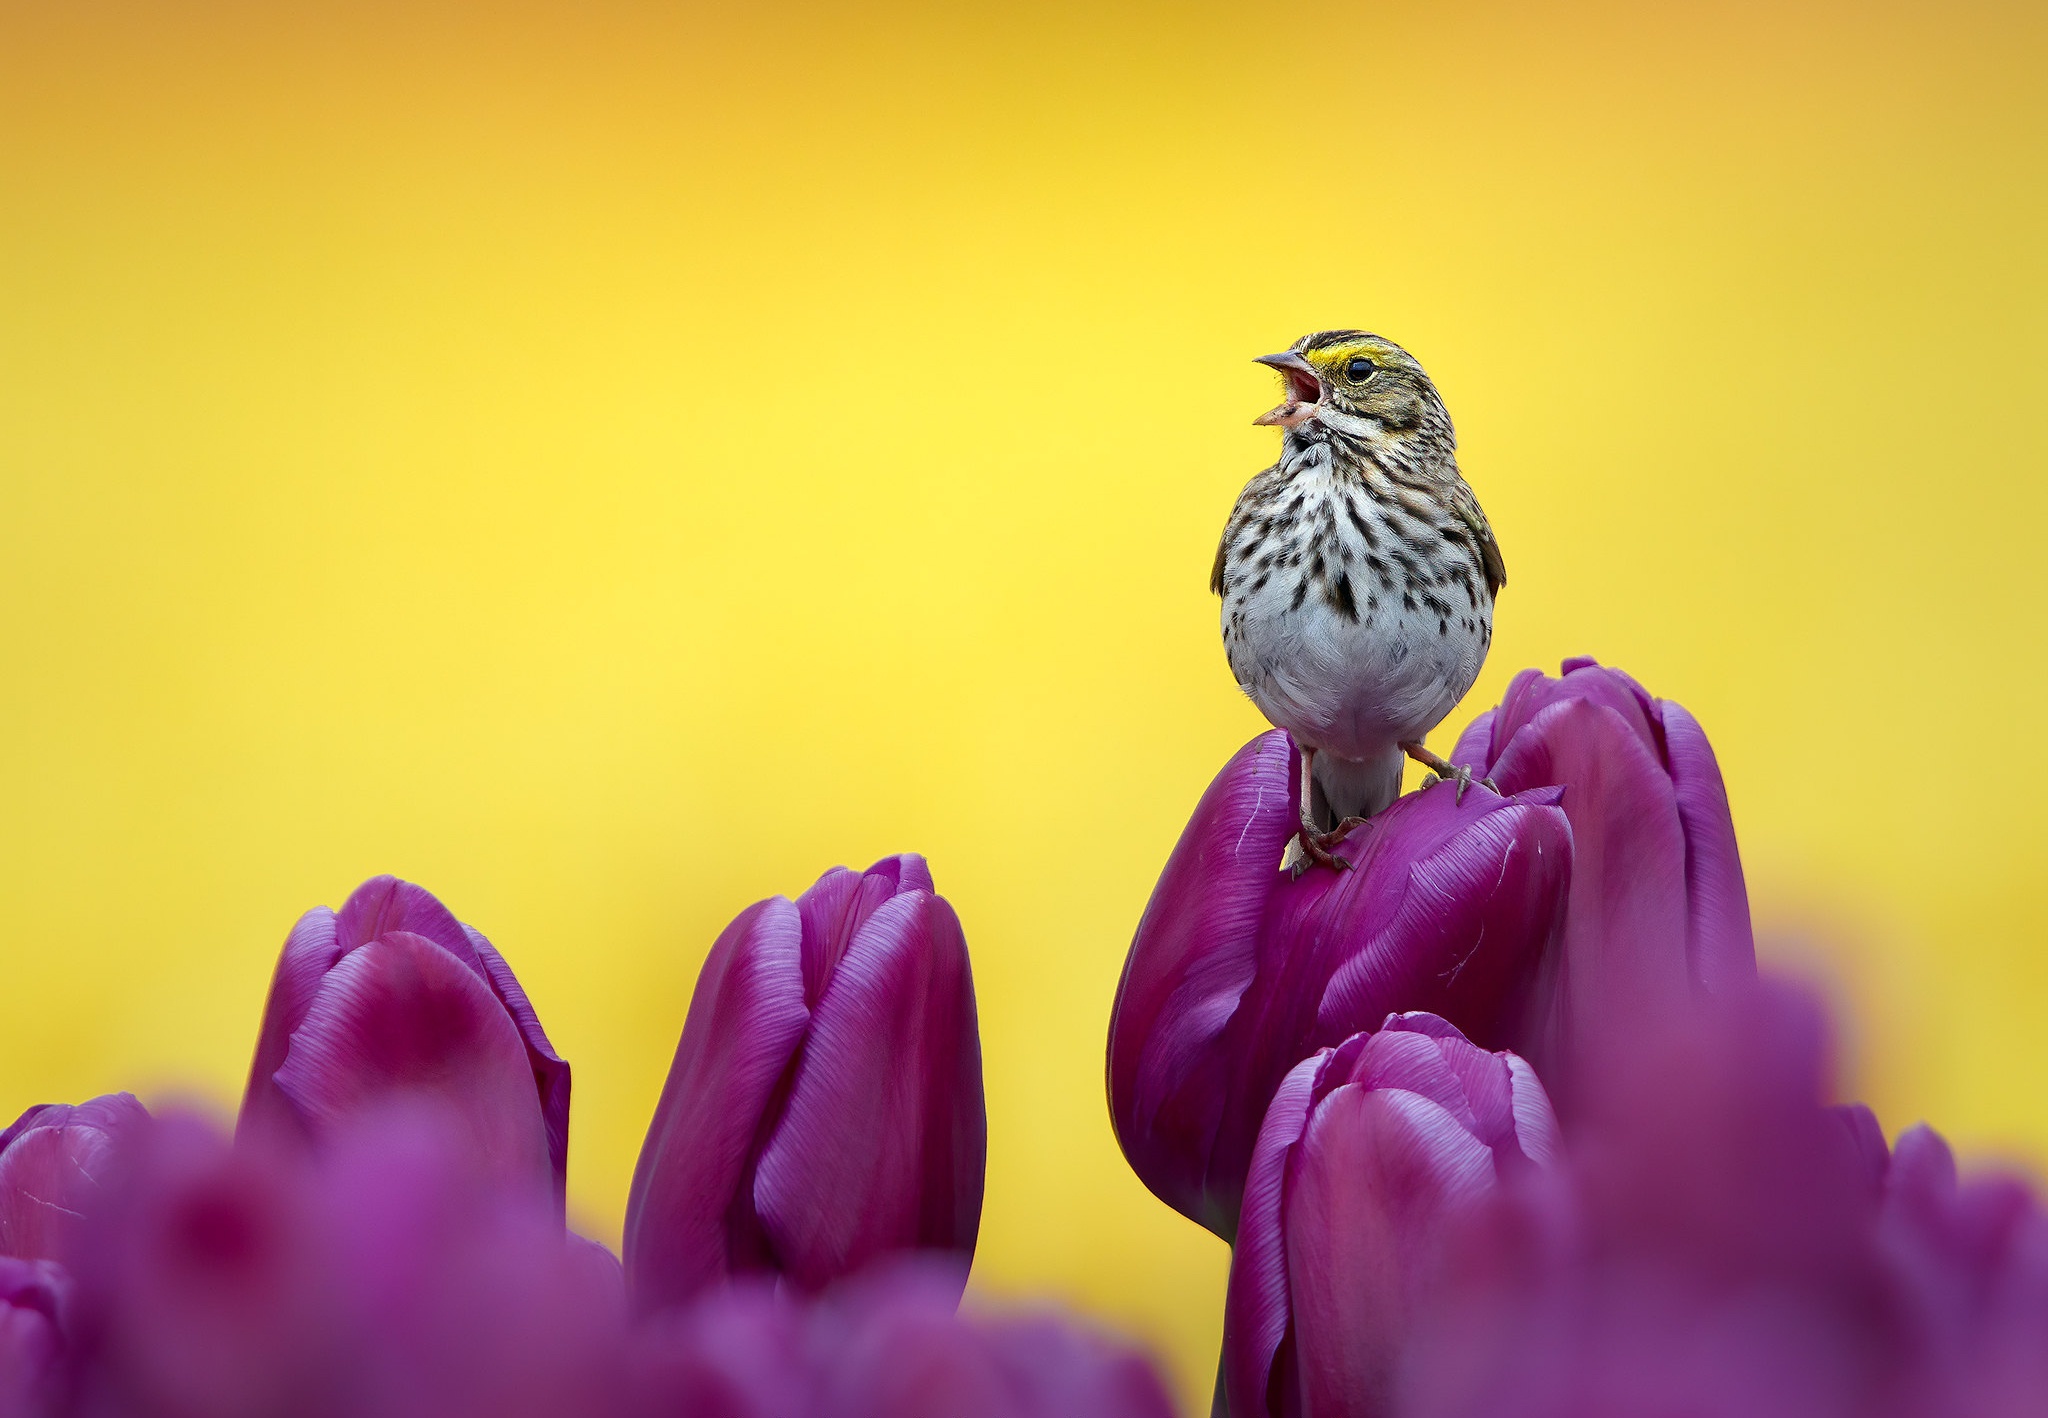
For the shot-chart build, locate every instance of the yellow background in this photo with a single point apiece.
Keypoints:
(608, 463)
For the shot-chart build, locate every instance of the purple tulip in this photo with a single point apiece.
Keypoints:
(392, 996)
(1238, 971)
(204, 1286)
(824, 1107)
(396, 1273)
(1721, 1243)
(885, 1345)
(1658, 912)
(466, 1298)
(53, 1163)
(34, 1296)
(1972, 1262)
(1368, 1155)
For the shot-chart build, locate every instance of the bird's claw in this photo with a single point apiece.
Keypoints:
(1315, 847)
(1462, 776)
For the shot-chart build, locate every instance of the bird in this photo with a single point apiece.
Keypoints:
(1358, 577)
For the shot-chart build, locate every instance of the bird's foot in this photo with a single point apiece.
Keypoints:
(1442, 770)
(1315, 846)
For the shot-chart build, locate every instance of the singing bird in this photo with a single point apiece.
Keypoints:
(1358, 577)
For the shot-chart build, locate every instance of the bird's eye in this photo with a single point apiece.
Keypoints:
(1360, 370)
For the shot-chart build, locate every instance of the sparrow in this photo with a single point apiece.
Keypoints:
(1358, 576)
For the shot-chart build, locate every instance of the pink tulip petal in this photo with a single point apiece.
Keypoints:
(691, 1204)
(883, 1143)
(402, 1016)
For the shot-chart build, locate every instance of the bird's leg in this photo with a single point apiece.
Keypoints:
(1316, 844)
(1445, 769)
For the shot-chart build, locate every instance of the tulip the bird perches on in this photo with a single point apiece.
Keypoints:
(1358, 577)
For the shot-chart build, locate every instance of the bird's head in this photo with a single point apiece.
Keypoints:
(1358, 384)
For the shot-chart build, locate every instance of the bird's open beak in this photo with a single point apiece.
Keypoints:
(1304, 389)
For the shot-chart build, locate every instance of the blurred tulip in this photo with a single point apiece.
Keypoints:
(34, 1295)
(1973, 1259)
(1658, 911)
(1368, 1154)
(466, 1297)
(1722, 1243)
(884, 1345)
(394, 1274)
(1239, 971)
(392, 996)
(53, 1162)
(824, 1107)
(204, 1286)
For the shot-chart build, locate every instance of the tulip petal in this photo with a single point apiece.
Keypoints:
(1626, 918)
(1255, 1315)
(1450, 907)
(1056, 1371)
(738, 1352)
(883, 1143)
(1721, 946)
(691, 1204)
(309, 953)
(1378, 1173)
(1189, 966)
(1459, 928)
(401, 1016)
(54, 1162)
(34, 1296)
(550, 1070)
(1411, 1061)
(385, 904)
(833, 911)
(1529, 692)
(207, 1284)
(1474, 748)
(1537, 1135)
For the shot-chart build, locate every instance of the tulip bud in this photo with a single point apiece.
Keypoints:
(393, 997)
(1367, 1154)
(1722, 1243)
(34, 1295)
(1239, 971)
(52, 1162)
(885, 1345)
(202, 1286)
(824, 1106)
(1657, 910)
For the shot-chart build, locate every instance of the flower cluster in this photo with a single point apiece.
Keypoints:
(384, 1234)
(1502, 1123)
(1499, 1122)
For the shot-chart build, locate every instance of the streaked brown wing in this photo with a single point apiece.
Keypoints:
(1467, 508)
